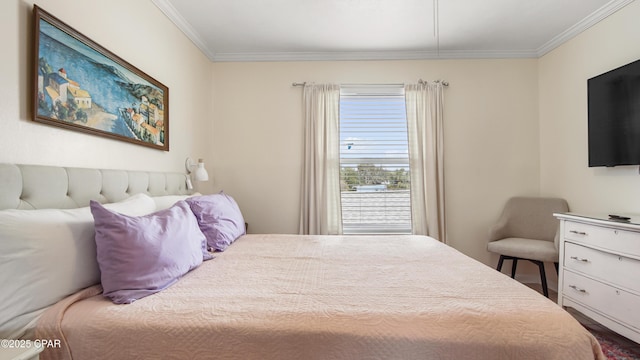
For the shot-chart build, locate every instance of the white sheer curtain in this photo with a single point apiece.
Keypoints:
(425, 103)
(320, 211)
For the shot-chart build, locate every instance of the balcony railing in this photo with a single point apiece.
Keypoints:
(385, 211)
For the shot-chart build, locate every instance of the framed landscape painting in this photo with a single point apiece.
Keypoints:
(80, 85)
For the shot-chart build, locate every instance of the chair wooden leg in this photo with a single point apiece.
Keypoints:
(543, 278)
(514, 264)
(499, 268)
(543, 275)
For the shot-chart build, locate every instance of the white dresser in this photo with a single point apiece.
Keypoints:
(600, 270)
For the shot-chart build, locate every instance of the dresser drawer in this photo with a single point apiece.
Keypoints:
(614, 303)
(620, 241)
(607, 267)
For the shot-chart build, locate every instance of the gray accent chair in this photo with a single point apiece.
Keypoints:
(527, 230)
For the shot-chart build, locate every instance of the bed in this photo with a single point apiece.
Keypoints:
(271, 296)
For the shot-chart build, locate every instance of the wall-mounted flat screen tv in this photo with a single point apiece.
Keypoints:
(614, 117)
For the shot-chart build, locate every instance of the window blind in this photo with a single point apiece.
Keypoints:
(374, 160)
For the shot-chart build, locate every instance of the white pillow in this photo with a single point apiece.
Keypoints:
(46, 255)
(167, 201)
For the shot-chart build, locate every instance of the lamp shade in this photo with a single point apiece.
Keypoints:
(201, 173)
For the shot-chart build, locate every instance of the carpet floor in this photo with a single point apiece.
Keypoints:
(615, 348)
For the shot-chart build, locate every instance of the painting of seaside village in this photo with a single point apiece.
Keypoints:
(83, 87)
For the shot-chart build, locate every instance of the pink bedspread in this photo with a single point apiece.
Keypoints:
(320, 297)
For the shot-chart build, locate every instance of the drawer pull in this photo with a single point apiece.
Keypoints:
(578, 232)
(578, 289)
(579, 259)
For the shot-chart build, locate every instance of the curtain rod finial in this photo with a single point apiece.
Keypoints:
(443, 82)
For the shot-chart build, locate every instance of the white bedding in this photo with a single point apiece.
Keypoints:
(33, 244)
(322, 297)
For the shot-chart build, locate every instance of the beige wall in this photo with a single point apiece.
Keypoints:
(563, 117)
(140, 34)
(254, 150)
(512, 126)
(491, 136)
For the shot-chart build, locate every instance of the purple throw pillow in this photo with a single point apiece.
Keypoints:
(142, 255)
(219, 217)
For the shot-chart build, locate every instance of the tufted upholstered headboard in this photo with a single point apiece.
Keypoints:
(50, 187)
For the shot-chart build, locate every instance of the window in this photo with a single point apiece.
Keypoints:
(374, 160)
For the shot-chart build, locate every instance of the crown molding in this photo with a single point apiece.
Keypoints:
(594, 18)
(182, 24)
(370, 55)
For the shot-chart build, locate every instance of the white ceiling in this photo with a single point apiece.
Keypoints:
(269, 30)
